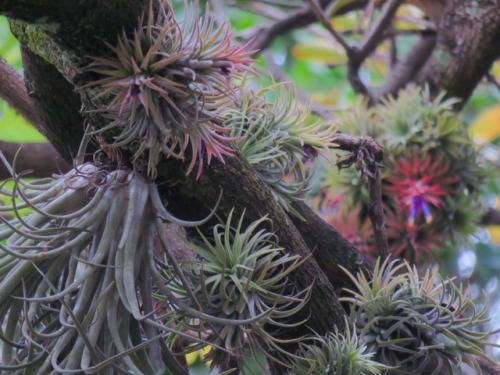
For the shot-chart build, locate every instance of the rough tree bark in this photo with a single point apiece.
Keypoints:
(467, 44)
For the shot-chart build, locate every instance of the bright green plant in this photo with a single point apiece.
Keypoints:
(275, 135)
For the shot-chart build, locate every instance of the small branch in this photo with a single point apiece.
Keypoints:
(372, 39)
(13, 91)
(491, 79)
(491, 368)
(41, 158)
(318, 12)
(405, 70)
(491, 217)
(367, 155)
(263, 37)
(375, 35)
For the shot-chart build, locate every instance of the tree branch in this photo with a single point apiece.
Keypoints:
(406, 69)
(56, 103)
(318, 12)
(64, 20)
(370, 42)
(491, 217)
(264, 36)
(13, 91)
(467, 45)
(367, 155)
(40, 158)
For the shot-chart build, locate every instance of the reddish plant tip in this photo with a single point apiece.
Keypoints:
(419, 183)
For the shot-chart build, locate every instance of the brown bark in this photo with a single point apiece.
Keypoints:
(467, 44)
(41, 159)
(56, 103)
(12, 90)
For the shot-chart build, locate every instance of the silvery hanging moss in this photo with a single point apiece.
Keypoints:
(418, 325)
(167, 85)
(240, 281)
(77, 274)
(278, 139)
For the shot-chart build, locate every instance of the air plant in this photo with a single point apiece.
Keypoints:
(277, 138)
(430, 164)
(240, 278)
(335, 354)
(76, 274)
(420, 183)
(166, 86)
(419, 325)
(414, 242)
(414, 118)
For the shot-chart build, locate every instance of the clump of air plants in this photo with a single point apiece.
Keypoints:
(75, 276)
(430, 165)
(167, 85)
(240, 281)
(335, 354)
(417, 325)
(278, 139)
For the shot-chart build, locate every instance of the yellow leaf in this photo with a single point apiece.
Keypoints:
(192, 357)
(495, 229)
(494, 233)
(495, 70)
(319, 50)
(486, 127)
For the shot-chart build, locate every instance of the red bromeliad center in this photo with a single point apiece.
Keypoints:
(418, 184)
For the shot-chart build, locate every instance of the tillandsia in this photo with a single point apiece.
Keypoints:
(76, 274)
(417, 325)
(278, 138)
(240, 277)
(166, 86)
(335, 354)
(430, 169)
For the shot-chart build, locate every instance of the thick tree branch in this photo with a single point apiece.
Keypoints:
(329, 248)
(39, 158)
(13, 91)
(56, 103)
(467, 45)
(66, 20)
